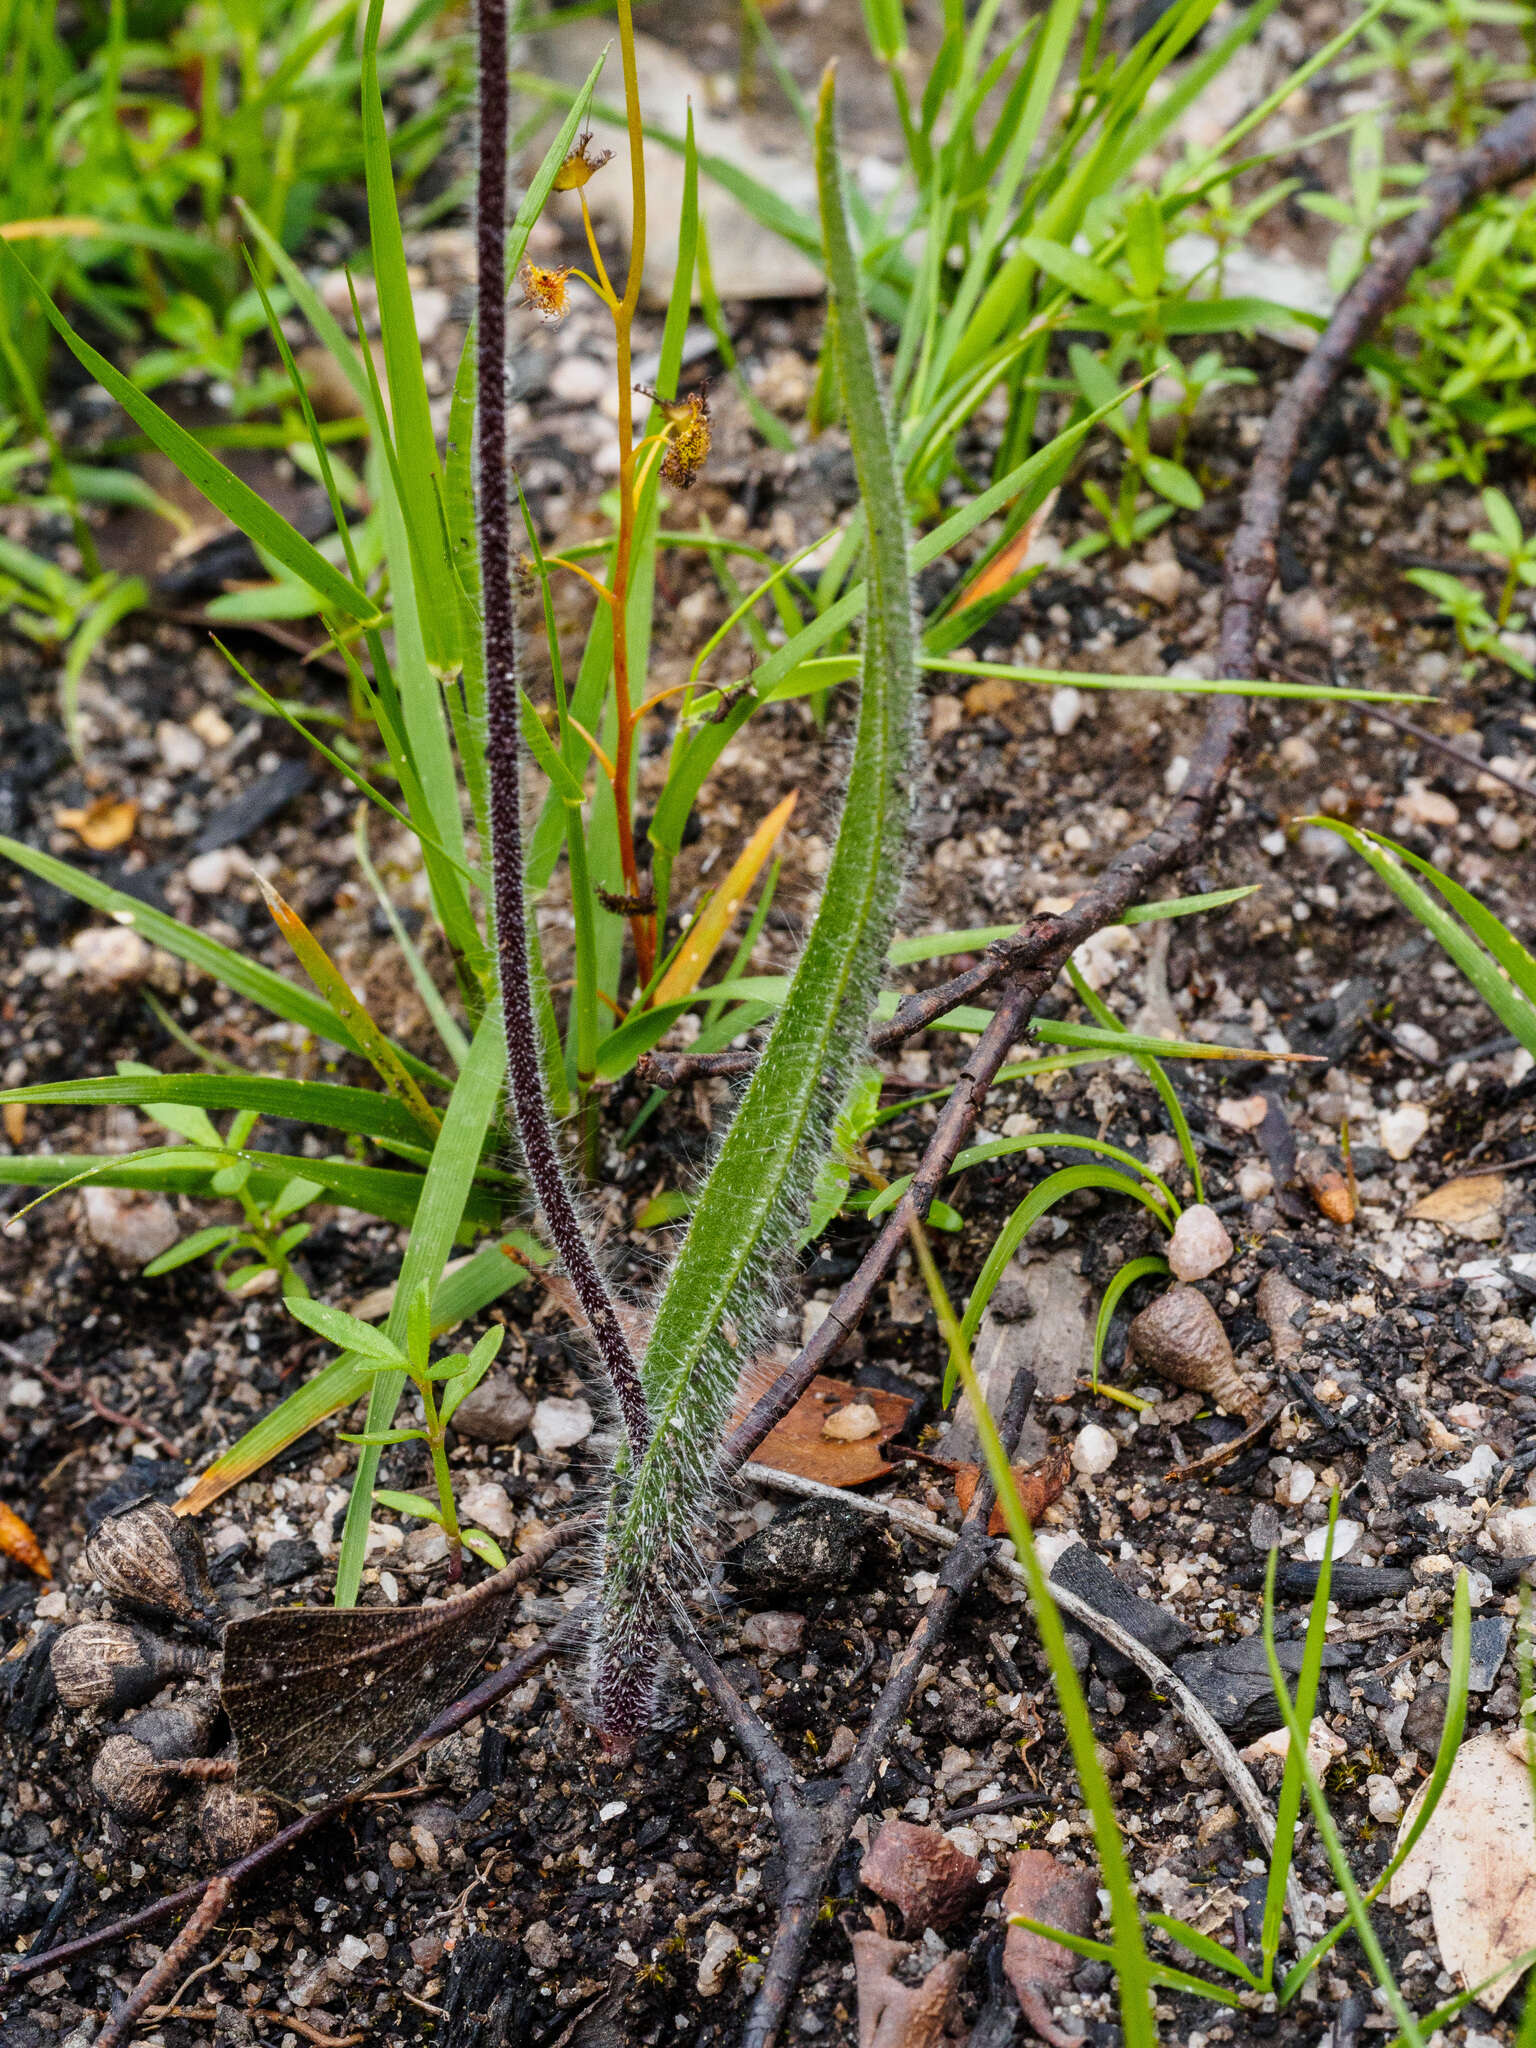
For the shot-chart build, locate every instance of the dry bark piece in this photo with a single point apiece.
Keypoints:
(1474, 1860)
(897, 2015)
(1180, 1336)
(1039, 1485)
(1040, 1970)
(18, 1542)
(1327, 1185)
(150, 1559)
(804, 1442)
(921, 1873)
(1281, 1301)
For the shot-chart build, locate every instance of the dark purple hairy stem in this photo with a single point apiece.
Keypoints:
(503, 748)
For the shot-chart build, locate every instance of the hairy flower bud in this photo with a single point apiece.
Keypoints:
(581, 164)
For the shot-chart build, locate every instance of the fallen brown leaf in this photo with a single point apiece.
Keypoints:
(1474, 1860)
(103, 825)
(1038, 1486)
(897, 2015)
(15, 1119)
(1470, 1206)
(1040, 1970)
(802, 1444)
(18, 1542)
(921, 1873)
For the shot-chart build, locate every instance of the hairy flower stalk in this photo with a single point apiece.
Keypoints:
(503, 750)
(714, 1313)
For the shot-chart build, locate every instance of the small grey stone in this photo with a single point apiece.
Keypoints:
(497, 1412)
(1490, 1640)
(290, 1559)
(1425, 1718)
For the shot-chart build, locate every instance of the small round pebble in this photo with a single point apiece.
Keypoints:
(558, 1423)
(1403, 1127)
(1383, 1798)
(1199, 1244)
(1095, 1450)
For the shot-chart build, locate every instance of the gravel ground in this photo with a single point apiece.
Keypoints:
(523, 1890)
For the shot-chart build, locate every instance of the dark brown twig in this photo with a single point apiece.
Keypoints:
(814, 1818)
(504, 749)
(1432, 740)
(174, 1958)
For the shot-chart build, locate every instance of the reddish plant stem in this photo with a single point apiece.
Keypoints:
(503, 749)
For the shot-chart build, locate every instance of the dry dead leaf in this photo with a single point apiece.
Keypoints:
(921, 1873)
(897, 2015)
(1470, 1206)
(803, 1445)
(1476, 1862)
(103, 825)
(1039, 1970)
(1039, 1485)
(850, 1425)
(18, 1542)
(15, 1119)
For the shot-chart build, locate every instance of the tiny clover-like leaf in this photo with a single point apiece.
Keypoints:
(476, 1361)
(229, 1180)
(415, 1504)
(347, 1332)
(485, 1547)
(193, 1247)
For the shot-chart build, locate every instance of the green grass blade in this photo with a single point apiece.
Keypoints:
(1327, 1827)
(246, 977)
(1513, 1010)
(1132, 1965)
(322, 1103)
(446, 1198)
(1068, 1180)
(1036, 1141)
(472, 1286)
(220, 486)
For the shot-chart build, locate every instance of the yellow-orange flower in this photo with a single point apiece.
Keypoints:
(544, 291)
(688, 437)
(582, 162)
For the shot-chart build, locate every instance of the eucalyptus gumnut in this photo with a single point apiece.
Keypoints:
(129, 1778)
(106, 1667)
(1180, 1336)
(233, 1823)
(153, 1561)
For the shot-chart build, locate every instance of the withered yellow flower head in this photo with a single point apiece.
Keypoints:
(581, 163)
(688, 435)
(544, 291)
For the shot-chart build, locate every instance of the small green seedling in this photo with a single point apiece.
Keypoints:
(442, 1385)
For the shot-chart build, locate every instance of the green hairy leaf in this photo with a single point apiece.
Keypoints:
(753, 1206)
